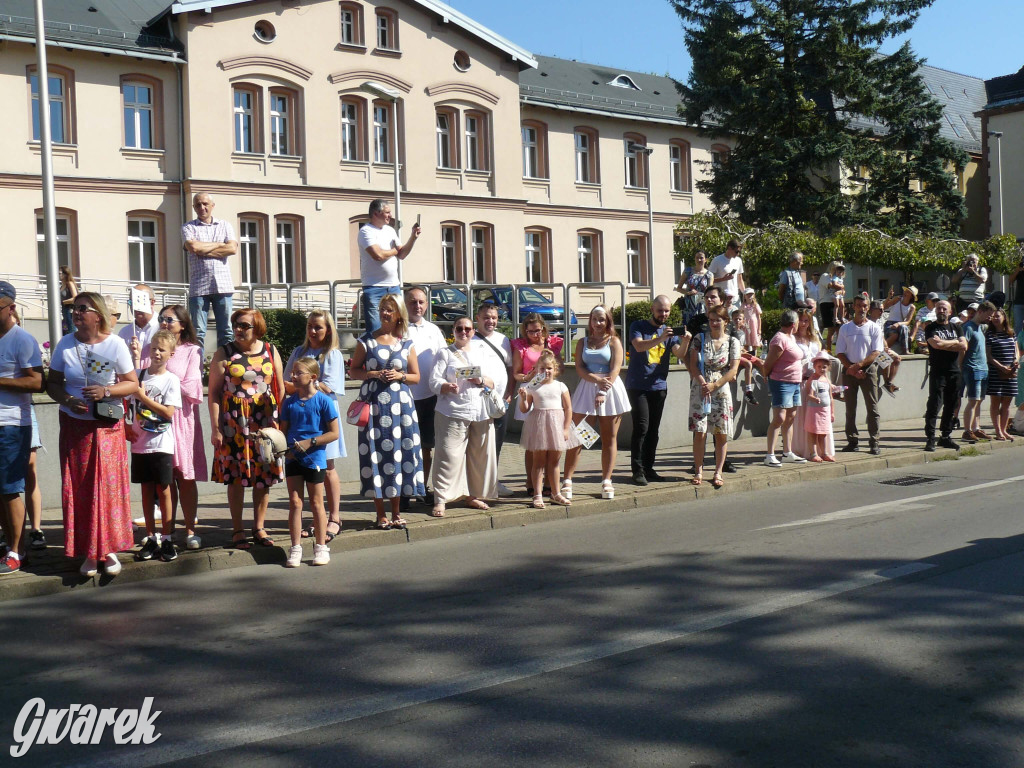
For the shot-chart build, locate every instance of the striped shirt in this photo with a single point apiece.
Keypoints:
(208, 276)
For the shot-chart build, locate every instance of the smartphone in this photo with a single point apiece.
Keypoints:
(418, 215)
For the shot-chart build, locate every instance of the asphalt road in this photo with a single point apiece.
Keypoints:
(843, 623)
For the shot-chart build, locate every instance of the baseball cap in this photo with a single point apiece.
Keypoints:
(932, 296)
(747, 291)
(973, 305)
(7, 293)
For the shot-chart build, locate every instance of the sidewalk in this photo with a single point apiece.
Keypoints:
(49, 572)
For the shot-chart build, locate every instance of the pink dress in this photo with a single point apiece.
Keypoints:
(530, 357)
(752, 315)
(543, 430)
(818, 420)
(189, 447)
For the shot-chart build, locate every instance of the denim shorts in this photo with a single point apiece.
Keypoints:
(785, 394)
(975, 383)
(15, 446)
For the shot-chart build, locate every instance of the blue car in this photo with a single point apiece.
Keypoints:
(530, 300)
(449, 303)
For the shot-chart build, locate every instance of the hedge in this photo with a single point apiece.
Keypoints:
(286, 329)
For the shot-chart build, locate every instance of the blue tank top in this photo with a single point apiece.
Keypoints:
(597, 360)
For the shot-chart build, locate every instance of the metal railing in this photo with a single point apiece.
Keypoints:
(602, 286)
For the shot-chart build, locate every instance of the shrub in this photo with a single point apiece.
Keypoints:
(641, 310)
(286, 328)
(771, 321)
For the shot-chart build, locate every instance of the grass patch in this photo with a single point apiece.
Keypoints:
(969, 450)
(950, 457)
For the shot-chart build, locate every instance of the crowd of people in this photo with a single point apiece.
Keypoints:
(432, 414)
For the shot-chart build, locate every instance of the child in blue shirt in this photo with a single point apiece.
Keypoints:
(309, 419)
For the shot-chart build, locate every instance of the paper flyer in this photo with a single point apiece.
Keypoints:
(139, 302)
(469, 372)
(586, 433)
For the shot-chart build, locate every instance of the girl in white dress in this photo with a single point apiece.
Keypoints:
(548, 427)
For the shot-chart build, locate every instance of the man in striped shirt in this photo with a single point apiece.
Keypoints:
(209, 243)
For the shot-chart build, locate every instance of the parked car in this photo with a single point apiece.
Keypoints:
(530, 300)
(449, 303)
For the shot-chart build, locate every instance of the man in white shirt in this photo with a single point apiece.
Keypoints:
(728, 271)
(21, 374)
(858, 343)
(497, 354)
(380, 250)
(428, 340)
(137, 335)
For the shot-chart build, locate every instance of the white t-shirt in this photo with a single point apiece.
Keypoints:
(145, 337)
(165, 388)
(825, 294)
(493, 367)
(105, 360)
(720, 266)
(858, 341)
(428, 341)
(18, 352)
(384, 273)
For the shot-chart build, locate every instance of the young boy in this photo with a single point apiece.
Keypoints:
(153, 445)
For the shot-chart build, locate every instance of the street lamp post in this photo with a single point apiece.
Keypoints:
(646, 152)
(998, 136)
(390, 94)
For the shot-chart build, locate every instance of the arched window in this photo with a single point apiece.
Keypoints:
(535, 149)
(589, 256)
(60, 84)
(352, 25)
(587, 166)
(635, 166)
(453, 261)
(538, 255)
(679, 165)
(147, 260)
(142, 109)
(353, 129)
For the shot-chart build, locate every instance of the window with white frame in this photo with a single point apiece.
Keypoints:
(387, 29)
(534, 257)
(531, 148)
(249, 250)
(583, 157)
(473, 142)
(633, 151)
(245, 120)
(62, 232)
(143, 253)
(482, 254)
(381, 134)
(59, 111)
(138, 115)
(444, 140)
(285, 251)
(588, 251)
(636, 260)
(351, 130)
(679, 167)
(451, 256)
(351, 23)
(280, 123)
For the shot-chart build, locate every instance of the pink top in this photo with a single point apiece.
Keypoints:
(189, 446)
(789, 366)
(752, 314)
(530, 355)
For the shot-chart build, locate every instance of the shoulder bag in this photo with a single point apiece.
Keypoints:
(110, 409)
(494, 406)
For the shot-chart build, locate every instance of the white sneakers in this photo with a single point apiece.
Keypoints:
(504, 491)
(771, 461)
(193, 542)
(792, 458)
(607, 489)
(112, 565)
(321, 554)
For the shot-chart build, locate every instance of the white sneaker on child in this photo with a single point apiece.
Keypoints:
(321, 554)
(294, 557)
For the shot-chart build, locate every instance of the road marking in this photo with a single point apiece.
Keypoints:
(219, 739)
(884, 507)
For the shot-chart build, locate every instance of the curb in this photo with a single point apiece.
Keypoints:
(22, 585)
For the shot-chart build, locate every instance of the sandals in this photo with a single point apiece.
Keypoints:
(717, 481)
(476, 504)
(567, 489)
(437, 511)
(399, 522)
(382, 524)
(560, 500)
(538, 502)
(307, 533)
(240, 543)
(328, 536)
(698, 478)
(607, 489)
(264, 540)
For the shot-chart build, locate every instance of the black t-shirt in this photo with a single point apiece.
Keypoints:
(942, 360)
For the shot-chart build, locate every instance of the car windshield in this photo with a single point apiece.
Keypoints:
(448, 296)
(530, 296)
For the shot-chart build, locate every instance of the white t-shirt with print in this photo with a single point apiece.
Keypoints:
(103, 360)
(165, 388)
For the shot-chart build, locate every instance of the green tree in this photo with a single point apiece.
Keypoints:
(786, 80)
(910, 187)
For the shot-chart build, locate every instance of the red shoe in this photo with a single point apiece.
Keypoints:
(10, 564)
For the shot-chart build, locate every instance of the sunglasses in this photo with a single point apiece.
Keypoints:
(84, 308)
(243, 326)
(168, 320)
(535, 330)
(463, 330)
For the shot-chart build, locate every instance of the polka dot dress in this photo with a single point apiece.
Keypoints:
(390, 457)
(248, 404)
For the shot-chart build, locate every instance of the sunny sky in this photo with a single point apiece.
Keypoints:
(972, 37)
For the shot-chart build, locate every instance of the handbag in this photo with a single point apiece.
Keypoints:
(109, 410)
(358, 414)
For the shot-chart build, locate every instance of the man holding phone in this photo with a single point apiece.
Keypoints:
(380, 250)
(728, 271)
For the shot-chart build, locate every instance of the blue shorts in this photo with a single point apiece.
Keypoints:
(15, 445)
(785, 394)
(975, 383)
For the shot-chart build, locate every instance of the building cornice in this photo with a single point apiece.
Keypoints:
(267, 62)
(469, 89)
(361, 75)
(91, 184)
